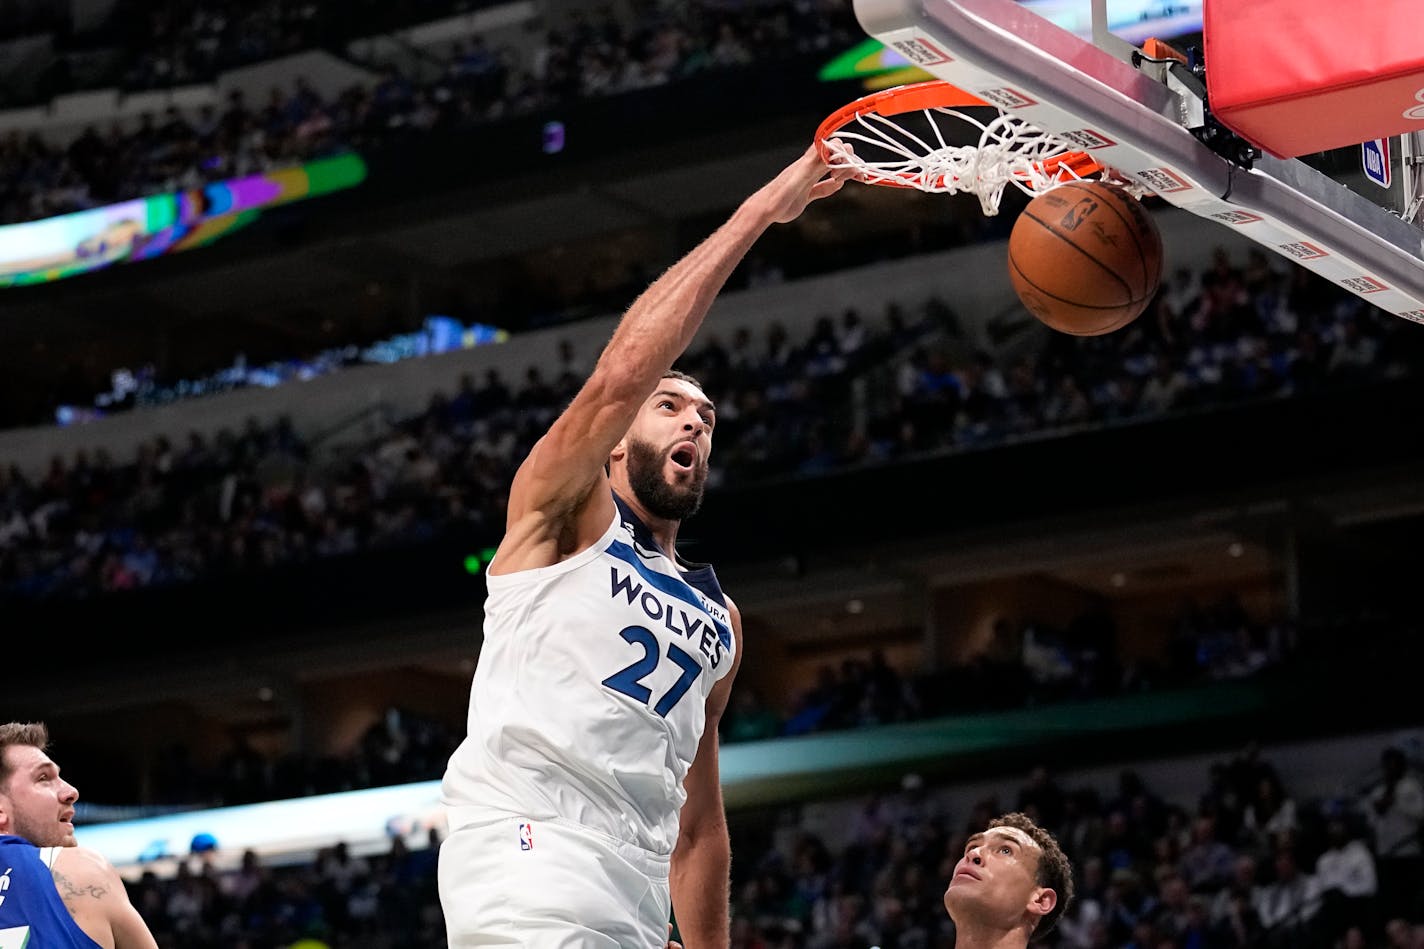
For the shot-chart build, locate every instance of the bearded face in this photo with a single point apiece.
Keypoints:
(35, 802)
(668, 481)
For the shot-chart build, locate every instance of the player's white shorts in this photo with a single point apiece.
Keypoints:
(550, 885)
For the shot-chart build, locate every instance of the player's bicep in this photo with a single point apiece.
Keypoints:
(128, 927)
(130, 931)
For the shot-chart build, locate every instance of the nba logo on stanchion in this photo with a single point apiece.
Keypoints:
(1374, 156)
(526, 835)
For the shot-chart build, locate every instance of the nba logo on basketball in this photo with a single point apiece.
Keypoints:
(526, 835)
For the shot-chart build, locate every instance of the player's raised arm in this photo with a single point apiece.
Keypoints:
(553, 507)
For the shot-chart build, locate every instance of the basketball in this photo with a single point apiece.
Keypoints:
(1085, 258)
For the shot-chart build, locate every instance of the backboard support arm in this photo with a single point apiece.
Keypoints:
(1104, 38)
(1412, 152)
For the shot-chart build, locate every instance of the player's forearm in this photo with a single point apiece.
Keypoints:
(701, 897)
(661, 323)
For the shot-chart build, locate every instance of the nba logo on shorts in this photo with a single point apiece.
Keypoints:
(526, 835)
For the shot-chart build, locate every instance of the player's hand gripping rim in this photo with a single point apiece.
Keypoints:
(805, 180)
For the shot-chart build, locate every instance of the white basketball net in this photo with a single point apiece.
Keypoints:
(1010, 152)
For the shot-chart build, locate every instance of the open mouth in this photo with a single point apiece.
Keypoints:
(684, 456)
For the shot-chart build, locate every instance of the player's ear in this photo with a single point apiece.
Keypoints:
(620, 450)
(1042, 901)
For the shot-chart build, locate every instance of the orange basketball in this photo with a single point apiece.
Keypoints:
(1085, 258)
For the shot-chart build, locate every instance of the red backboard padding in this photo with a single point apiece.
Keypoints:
(1301, 76)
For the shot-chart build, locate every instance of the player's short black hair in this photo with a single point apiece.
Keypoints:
(683, 377)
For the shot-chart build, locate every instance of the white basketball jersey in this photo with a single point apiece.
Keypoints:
(590, 696)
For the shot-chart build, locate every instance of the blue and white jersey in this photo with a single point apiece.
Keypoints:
(32, 916)
(590, 696)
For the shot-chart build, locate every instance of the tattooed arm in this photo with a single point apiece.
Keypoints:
(94, 894)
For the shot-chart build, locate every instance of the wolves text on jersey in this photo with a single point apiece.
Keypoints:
(678, 619)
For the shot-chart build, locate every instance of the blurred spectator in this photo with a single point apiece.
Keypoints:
(1395, 807)
(1271, 812)
(1233, 908)
(1207, 863)
(1042, 799)
(1287, 905)
(1346, 874)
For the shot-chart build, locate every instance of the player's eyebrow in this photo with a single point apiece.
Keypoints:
(977, 838)
(702, 403)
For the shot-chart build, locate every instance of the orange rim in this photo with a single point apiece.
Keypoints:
(920, 96)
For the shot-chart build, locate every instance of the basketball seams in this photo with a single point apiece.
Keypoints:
(1131, 223)
(1127, 290)
(1082, 306)
(1097, 330)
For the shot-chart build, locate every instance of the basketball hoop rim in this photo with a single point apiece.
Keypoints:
(924, 96)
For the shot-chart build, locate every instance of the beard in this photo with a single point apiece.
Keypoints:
(663, 499)
(41, 833)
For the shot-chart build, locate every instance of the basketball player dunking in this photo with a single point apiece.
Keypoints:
(585, 803)
(1011, 885)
